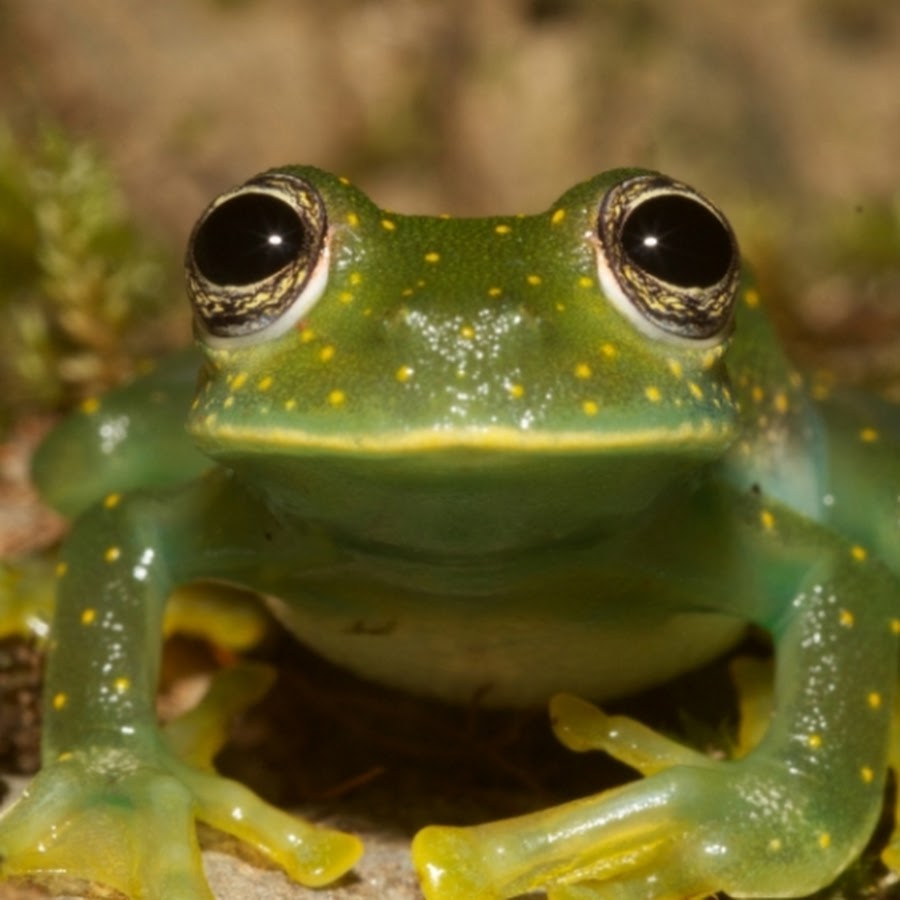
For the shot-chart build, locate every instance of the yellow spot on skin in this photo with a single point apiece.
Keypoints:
(403, 374)
(582, 370)
(767, 520)
(711, 357)
(868, 435)
(326, 353)
(112, 554)
(751, 298)
(238, 381)
(467, 332)
(824, 840)
(653, 394)
(695, 389)
(533, 280)
(59, 701)
(781, 402)
(494, 291)
(432, 256)
(88, 616)
(516, 391)
(874, 700)
(89, 406)
(585, 281)
(503, 229)
(867, 774)
(265, 382)
(388, 225)
(860, 554)
(590, 407)
(847, 619)
(111, 501)
(610, 351)
(337, 398)
(557, 216)
(352, 219)
(61, 569)
(290, 404)
(775, 845)
(814, 741)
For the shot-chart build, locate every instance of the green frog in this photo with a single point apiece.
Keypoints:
(514, 458)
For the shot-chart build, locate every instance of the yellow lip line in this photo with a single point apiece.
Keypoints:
(705, 435)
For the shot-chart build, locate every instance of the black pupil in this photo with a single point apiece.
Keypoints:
(678, 240)
(248, 238)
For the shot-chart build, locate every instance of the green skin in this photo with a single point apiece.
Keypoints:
(464, 470)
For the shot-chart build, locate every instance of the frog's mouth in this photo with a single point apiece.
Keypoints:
(463, 492)
(691, 438)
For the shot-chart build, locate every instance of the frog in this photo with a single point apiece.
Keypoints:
(556, 458)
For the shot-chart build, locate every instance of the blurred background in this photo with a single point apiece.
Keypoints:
(121, 120)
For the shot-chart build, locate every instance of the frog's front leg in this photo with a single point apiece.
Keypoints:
(783, 821)
(115, 803)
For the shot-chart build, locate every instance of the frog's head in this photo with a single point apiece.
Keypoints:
(446, 385)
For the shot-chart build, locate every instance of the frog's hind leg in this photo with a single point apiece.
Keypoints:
(198, 735)
(524, 855)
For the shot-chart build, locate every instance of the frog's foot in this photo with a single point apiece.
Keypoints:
(126, 817)
(694, 827)
(128, 821)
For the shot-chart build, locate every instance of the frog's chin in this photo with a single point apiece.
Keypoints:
(464, 499)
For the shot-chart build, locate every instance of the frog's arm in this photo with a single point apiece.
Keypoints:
(132, 437)
(782, 821)
(114, 802)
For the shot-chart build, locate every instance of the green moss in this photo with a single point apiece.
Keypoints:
(76, 277)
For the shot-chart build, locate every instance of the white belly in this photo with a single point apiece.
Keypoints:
(507, 661)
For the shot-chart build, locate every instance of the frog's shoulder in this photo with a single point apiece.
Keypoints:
(129, 438)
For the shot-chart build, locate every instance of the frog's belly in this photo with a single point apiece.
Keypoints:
(512, 662)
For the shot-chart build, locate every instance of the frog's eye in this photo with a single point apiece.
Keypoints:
(257, 259)
(668, 259)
